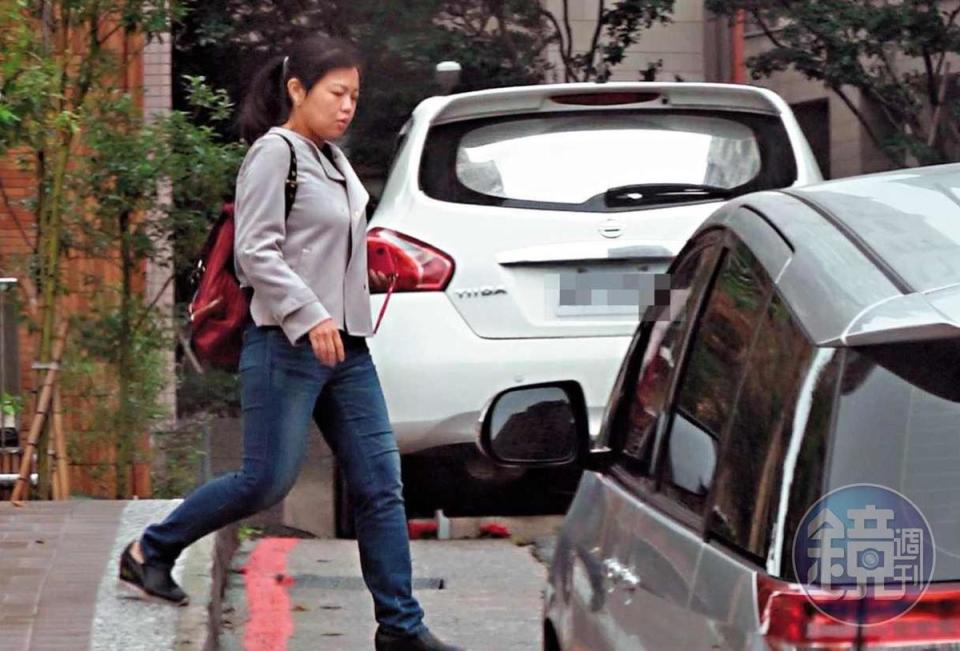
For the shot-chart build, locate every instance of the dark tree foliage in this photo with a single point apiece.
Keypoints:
(617, 27)
(497, 42)
(896, 54)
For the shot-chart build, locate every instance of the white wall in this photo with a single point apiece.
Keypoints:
(158, 101)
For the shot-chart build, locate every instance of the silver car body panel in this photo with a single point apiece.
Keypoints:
(830, 268)
(909, 220)
(605, 537)
(627, 576)
(837, 278)
(725, 603)
(827, 281)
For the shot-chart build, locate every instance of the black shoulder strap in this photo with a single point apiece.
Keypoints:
(290, 187)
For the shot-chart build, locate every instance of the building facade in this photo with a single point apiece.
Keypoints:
(699, 46)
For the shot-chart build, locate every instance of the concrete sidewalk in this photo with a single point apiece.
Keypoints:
(58, 587)
(308, 594)
(59, 591)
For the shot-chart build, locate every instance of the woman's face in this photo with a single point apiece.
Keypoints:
(327, 110)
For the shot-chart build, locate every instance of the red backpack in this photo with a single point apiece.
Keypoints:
(220, 307)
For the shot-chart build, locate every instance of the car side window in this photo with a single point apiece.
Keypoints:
(650, 375)
(751, 465)
(707, 390)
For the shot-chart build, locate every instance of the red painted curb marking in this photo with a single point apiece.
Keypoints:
(270, 624)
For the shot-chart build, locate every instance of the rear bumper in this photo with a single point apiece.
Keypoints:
(437, 375)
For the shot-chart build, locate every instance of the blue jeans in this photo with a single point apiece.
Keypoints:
(283, 385)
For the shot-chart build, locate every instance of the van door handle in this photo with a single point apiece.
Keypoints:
(613, 568)
(630, 580)
(618, 573)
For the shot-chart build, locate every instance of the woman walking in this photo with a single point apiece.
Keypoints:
(304, 353)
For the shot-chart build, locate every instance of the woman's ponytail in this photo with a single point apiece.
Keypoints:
(267, 102)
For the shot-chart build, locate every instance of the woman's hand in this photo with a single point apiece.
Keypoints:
(325, 339)
(379, 281)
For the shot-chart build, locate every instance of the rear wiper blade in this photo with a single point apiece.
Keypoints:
(645, 192)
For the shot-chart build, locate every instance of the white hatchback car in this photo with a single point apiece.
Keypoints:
(535, 217)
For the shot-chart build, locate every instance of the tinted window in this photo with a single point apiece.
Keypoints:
(898, 425)
(805, 465)
(646, 391)
(708, 387)
(691, 461)
(568, 161)
(777, 379)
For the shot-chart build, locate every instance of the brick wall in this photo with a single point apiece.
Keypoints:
(148, 76)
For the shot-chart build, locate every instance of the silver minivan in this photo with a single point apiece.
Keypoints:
(809, 341)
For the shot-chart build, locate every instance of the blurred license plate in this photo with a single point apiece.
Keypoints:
(606, 292)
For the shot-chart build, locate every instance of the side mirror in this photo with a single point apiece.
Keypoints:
(536, 426)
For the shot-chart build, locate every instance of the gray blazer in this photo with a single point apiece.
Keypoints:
(313, 266)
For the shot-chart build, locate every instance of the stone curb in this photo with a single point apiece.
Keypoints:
(205, 573)
(123, 623)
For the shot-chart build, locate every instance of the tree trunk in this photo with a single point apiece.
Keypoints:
(124, 443)
(50, 279)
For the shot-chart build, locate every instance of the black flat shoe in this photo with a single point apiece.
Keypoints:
(425, 641)
(150, 580)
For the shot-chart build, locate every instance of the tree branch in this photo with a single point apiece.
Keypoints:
(569, 30)
(13, 215)
(156, 299)
(931, 77)
(103, 41)
(862, 119)
(767, 31)
(951, 19)
(595, 39)
(870, 91)
(498, 14)
(902, 95)
(568, 73)
(30, 290)
(938, 111)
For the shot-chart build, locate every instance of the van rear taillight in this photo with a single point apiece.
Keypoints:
(935, 617)
(792, 620)
(421, 267)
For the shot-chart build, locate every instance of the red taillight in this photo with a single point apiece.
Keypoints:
(605, 99)
(420, 267)
(793, 620)
(790, 620)
(934, 618)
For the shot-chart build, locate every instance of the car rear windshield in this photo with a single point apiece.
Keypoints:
(898, 426)
(606, 161)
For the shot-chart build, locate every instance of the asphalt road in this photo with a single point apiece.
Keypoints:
(308, 594)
